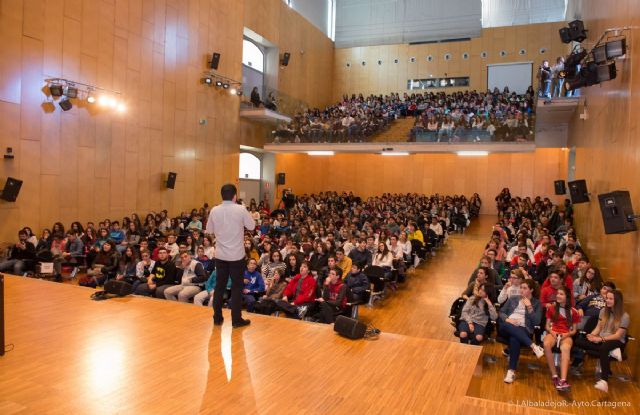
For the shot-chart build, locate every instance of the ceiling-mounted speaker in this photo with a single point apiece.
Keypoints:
(577, 30)
(565, 35)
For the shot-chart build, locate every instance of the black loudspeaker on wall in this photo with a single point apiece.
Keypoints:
(171, 180)
(215, 60)
(578, 191)
(616, 208)
(281, 179)
(11, 189)
(285, 58)
(349, 327)
(560, 187)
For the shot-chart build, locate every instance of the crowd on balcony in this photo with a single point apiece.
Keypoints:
(472, 116)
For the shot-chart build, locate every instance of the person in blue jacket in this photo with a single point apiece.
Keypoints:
(253, 285)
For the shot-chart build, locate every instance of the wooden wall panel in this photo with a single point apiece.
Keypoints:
(87, 164)
(309, 75)
(608, 157)
(392, 77)
(526, 174)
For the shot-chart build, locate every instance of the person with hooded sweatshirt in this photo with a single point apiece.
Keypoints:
(357, 282)
(334, 298)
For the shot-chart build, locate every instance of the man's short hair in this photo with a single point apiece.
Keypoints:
(228, 191)
(162, 248)
(22, 232)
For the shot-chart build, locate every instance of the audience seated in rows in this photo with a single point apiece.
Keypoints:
(471, 116)
(327, 241)
(355, 118)
(555, 289)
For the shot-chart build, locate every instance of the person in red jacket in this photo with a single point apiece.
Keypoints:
(299, 294)
(550, 288)
(334, 297)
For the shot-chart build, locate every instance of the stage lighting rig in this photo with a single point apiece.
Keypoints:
(72, 92)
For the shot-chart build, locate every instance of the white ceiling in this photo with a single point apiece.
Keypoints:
(380, 22)
(496, 13)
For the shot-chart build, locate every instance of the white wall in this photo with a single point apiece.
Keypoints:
(315, 11)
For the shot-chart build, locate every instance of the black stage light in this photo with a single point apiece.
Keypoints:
(71, 92)
(55, 90)
(207, 81)
(600, 54)
(225, 85)
(616, 48)
(65, 104)
(606, 72)
(218, 84)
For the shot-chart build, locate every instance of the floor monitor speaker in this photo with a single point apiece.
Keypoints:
(349, 327)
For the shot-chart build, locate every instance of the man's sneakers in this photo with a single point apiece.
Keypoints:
(602, 385)
(302, 311)
(510, 376)
(539, 351)
(616, 354)
(242, 323)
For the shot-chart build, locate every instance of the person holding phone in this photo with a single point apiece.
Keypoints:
(21, 252)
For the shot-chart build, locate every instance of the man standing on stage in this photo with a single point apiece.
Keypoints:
(227, 222)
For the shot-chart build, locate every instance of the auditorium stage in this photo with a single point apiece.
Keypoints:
(137, 355)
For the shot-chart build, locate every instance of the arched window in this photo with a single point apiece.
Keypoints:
(252, 55)
(250, 166)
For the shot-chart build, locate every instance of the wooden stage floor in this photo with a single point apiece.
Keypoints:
(144, 356)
